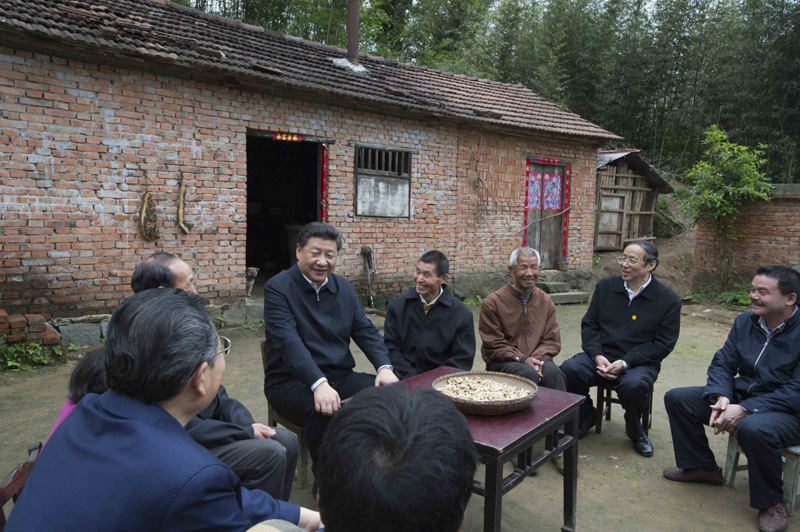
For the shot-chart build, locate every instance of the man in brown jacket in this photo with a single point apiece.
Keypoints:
(518, 326)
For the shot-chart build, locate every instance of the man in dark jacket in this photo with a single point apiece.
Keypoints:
(427, 327)
(761, 405)
(262, 457)
(632, 325)
(310, 315)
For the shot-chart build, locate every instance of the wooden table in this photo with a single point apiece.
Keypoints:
(498, 439)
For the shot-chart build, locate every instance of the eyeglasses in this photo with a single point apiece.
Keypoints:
(630, 260)
(226, 346)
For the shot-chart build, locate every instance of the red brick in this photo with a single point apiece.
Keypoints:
(14, 338)
(3, 318)
(51, 338)
(17, 321)
(37, 328)
(34, 338)
(35, 319)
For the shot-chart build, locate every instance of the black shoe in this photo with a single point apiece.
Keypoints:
(642, 445)
(587, 423)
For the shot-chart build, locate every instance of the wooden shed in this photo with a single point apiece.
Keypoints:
(627, 189)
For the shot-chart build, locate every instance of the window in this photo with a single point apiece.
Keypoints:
(383, 182)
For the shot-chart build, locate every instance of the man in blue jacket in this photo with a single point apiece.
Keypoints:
(761, 405)
(427, 327)
(122, 461)
(310, 315)
(262, 457)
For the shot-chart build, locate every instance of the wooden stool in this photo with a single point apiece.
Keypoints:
(791, 470)
(12, 485)
(605, 399)
(273, 418)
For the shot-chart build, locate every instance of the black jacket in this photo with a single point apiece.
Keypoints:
(308, 335)
(642, 331)
(224, 421)
(768, 369)
(418, 342)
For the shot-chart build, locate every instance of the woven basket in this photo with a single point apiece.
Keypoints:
(491, 408)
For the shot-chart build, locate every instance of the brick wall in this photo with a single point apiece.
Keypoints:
(770, 234)
(80, 143)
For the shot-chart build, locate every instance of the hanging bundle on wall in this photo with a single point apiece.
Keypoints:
(181, 193)
(147, 218)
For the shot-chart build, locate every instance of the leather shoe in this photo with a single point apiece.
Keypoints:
(587, 423)
(773, 519)
(642, 445)
(678, 474)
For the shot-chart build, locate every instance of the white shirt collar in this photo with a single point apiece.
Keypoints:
(441, 291)
(631, 293)
(313, 284)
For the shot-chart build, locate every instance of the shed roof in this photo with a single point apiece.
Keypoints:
(160, 32)
(637, 162)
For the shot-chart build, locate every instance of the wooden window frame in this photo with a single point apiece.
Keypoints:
(379, 162)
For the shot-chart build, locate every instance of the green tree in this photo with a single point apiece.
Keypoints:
(728, 176)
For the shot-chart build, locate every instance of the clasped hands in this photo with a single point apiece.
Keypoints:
(537, 363)
(327, 401)
(608, 370)
(725, 417)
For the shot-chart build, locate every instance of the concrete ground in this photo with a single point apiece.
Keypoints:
(617, 489)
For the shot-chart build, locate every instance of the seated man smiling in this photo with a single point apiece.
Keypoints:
(122, 461)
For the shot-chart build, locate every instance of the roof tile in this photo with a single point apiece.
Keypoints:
(164, 31)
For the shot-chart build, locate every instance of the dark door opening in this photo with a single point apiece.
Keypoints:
(283, 194)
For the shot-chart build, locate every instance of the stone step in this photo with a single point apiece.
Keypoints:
(553, 287)
(565, 298)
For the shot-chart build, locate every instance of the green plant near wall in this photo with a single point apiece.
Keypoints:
(727, 177)
(27, 356)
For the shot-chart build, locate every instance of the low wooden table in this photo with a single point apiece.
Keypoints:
(498, 439)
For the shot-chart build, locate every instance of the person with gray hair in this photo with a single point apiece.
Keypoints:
(122, 460)
(518, 325)
(632, 324)
(262, 457)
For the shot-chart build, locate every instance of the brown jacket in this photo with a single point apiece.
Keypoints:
(510, 331)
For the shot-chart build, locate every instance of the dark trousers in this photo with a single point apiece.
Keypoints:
(295, 401)
(632, 387)
(762, 437)
(266, 464)
(552, 376)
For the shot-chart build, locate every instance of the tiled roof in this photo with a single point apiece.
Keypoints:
(159, 31)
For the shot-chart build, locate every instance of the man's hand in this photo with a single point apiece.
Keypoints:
(606, 369)
(309, 519)
(326, 399)
(536, 364)
(613, 370)
(716, 410)
(728, 419)
(262, 432)
(385, 377)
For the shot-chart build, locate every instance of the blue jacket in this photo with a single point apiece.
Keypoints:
(116, 464)
(769, 370)
(308, 336)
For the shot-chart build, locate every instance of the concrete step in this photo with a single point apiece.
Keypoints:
(553, 287)
(565, 298)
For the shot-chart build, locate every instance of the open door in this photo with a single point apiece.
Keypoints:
(285, 191)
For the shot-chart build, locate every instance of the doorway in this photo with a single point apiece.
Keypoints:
(283, 194)
(544, 212)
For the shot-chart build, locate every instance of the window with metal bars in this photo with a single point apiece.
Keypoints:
(383, 182)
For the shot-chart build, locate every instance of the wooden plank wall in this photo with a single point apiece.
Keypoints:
(638, 209)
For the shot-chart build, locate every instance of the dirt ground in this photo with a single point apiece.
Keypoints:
(617, 489)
